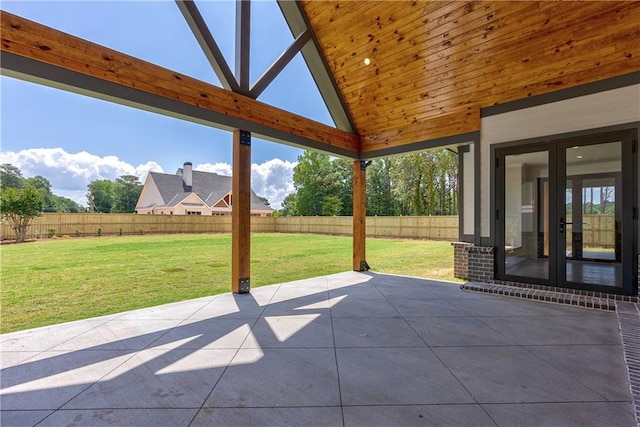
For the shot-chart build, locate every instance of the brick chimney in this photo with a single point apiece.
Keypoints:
(187, 176)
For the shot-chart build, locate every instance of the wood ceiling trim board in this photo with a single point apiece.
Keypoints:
(50, 46)
(428, 130)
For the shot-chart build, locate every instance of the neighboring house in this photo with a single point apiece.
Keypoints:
(191, 192)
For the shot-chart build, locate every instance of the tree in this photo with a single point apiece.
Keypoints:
(380, 200)
(289, 207)
(331, 206)
(10, 176)
(19, 206)
(100, 195)
(316, 177)
(126, 192)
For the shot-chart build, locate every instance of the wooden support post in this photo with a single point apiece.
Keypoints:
(241, 213)
(359, 215)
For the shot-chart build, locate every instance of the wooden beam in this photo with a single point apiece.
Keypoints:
(243, 37)
(208, 44)
(359, 216)
(279, 64)
(34, 52)
(241, 213)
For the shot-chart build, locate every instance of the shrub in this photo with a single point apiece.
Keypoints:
(51, 232)
(99, 231)
(77, 233)
(19, 206)
(120, 233)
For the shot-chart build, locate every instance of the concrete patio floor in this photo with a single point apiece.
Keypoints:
(352, 349)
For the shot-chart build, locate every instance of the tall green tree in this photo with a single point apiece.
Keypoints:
(126, 192)
(289, 205)
(323, 184)
(19, 206)
(380, 200)
(10, 176)
(101, 195)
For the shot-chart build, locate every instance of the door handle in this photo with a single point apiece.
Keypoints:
(562, 224)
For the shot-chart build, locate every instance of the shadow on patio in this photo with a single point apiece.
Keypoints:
(346, 349)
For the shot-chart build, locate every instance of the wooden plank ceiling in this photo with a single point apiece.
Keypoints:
(433, 65)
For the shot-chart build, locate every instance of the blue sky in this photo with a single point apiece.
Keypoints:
(71, 139)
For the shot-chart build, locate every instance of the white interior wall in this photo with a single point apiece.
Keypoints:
(608, 108)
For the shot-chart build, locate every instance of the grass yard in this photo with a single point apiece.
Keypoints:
(59, 280)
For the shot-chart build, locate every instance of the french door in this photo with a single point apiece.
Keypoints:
(564, 213)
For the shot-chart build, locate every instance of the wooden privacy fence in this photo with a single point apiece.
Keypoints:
(598, 230)
(94, 224)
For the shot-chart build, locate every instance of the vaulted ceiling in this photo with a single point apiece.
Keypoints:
(435, 64)
(432, 66)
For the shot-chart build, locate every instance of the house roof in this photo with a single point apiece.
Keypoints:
(210, 187)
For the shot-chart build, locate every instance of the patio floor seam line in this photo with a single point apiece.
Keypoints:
(629, 323)
(235, 354)
(335, 355)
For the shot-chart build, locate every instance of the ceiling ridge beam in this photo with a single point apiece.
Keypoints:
(243, 44)
(208, 44)
(279, 64)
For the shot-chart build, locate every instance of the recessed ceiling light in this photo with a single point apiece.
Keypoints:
(367, 61)
(578, 157)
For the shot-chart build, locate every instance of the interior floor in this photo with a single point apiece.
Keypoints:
(593, 273)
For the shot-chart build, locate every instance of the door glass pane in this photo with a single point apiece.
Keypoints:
(527, 215)
(592, 214)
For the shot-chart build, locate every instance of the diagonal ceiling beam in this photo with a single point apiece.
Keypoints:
(312, 54)
(279, 64)
(34, 52)
(208, 44)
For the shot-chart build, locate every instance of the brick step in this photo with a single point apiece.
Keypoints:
(567, 298)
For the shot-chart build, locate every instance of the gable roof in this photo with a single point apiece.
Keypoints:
(208, 186)
(409, 74)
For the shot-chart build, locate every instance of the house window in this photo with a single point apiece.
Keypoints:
(194, 213)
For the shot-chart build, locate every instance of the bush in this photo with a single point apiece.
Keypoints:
(51, 232)
(99, 231)
(19, 206)
(77, 233)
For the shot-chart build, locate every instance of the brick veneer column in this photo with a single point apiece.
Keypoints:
(481, 263)
(460, 259)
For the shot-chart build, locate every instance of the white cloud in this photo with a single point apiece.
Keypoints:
(219, 168)
(70, 173)
(272, 179)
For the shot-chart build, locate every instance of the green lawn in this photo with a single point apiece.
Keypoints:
(59, 280)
